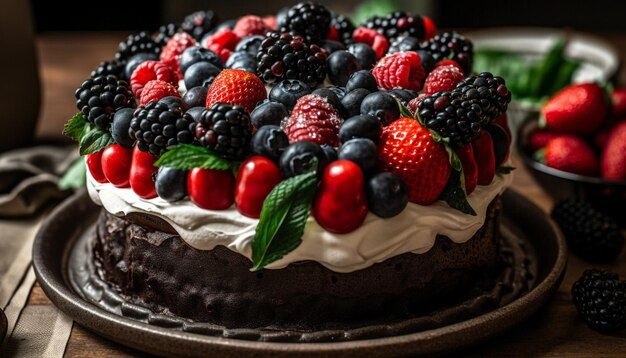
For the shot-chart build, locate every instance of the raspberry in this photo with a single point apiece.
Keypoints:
(250, 25)
(148, 71)
(170, 55)
(376, 40)
(449, 62)
(270, 21)
(155, 90)
(400, 69)
(442, 78)
(313, 119)
(430, 30)
(222, 43)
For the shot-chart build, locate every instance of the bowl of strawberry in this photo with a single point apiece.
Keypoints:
(577, 145)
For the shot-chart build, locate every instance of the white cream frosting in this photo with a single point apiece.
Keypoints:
(413, 230)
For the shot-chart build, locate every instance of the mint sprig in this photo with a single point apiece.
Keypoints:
(76, 127)
(90, 138)
(283, 217)
(188, 156)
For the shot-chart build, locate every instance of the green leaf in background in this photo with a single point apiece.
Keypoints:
(283, 217)
(76, 127)
(94, 140)
(189, 156)
(75, 176)
(371, 8)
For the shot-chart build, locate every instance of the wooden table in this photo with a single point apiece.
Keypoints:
(66, 60)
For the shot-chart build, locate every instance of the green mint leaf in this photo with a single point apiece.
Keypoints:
(454, 193)
(189, 156)
(76, 127)
(283, 217)
(75, 176)
(94, 140)
(404, 112)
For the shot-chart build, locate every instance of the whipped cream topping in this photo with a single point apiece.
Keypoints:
(414, 230)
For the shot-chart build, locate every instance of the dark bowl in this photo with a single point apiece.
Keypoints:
(606, 195)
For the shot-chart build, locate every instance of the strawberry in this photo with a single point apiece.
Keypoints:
(485, 158)
(407, 149)
(94, 164)
(250, 25)
(313, 119)
(503, 121)
(539, 139)
(236, 87)
(569, 153)
(151, 70)
(340, 204)
(170, 55)
(618, 98)
(256, 178)
(576, 109)
(400, 70)
(211, 189)
(116, 164)
(143, 174)
(470, 168)
(155, 90)
(613, 158)
(430, 29)
(442, 78)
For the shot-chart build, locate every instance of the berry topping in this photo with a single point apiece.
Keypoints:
(382, 105)
(256, 178)
(269, 141)
(351, 101)
(98, 99)
(442, 79)
(299, 157)
(250, 25)
(250, 44)
(313, 119)
(116, 163)
(387, 195)
(157, 126)
(141, 42)
(114, 68)
(135, 61)
(451, 45)
(371, 37)
(288, 92)
(142, 174)
(361, 126)
(120, 126)
(589, 233)
(201, 74)
(485, 158)
(222, 42)
(283, 56)
(195, 54)
(361, 151)
(404, 43)
(156, 90)
(341, 65)
(364, 54)
(171, 184)
(401, 69)
(396, 24)
(600, 298)
(196, 97)
(151, 70)
(242, 61)
(94, 164)
(407, 149)
(268, 113)
(225, 130)
(470, 167)
(236, 87)
(211, 189)
(343, 27)
(199, 23)
(309, 20)
(174, 49)
(362, 79)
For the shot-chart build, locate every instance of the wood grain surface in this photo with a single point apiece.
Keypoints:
(555, 331)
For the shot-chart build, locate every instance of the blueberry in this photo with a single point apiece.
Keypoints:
(195, 54)
(364, 54)
(269, 141)
(405, 43)
(196, 96)
(173, 102)
(137, 60)
(332, 46)
(403, 95)
(387, 195)
(287, 92)
(298, 158)
(382, 105)
(500, 140)
(120, 127)
(268, 113)
(341, 64)
(428, 62)
(195, 113)
(351, 102)
(201, 74)
(330, 152)
(331, 97)
(171, 184)
(362, 151)
(361, 126)
(250, 44)
(339, 91)
(362, 79)
(242, 61)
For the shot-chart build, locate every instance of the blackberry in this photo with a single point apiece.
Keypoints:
(600, 299)
(344, 27)
(461, 113)
(99, 98)
(137, 43)
(164, 33)
(589, 233)
(285, 56)
(451, 45)
(395, 24)
(157, 126)
(225, 130)
(309, 20)
(113, 67)
(404, 43)
(199, 23)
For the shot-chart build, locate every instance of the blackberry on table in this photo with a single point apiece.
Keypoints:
(137, 43)
(589, 233)
(165, 32)
(395, 24)
(157, 126)
(286, 56)
(199, 23)
(451, 45)
(226, 130)
(600, 298)
(344, 27)
(309, 20)
(99, 98)
(461, 113)
(113, 67)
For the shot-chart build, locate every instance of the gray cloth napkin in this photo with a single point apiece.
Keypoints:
(28, 190)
